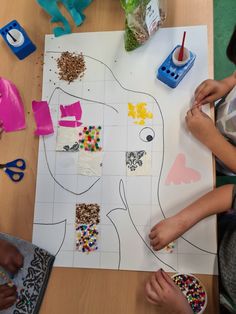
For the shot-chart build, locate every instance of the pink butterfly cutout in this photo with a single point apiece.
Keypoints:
(179, 173)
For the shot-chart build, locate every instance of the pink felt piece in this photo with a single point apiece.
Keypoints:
(11, 107)
(179, 173)
(42, 118)
(73, 110)
(69, 124)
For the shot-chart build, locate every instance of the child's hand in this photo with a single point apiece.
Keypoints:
(8, 296)
(162, 291)
(166, 231)
(201, 126)
(10, 257)
(211, 90)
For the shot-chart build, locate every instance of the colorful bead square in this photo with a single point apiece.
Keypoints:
(90, 138)
(86, 238)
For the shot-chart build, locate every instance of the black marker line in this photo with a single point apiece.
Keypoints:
(117, 232)
(52, 224)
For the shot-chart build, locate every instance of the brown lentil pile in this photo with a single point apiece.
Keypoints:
(71, 66)
(87, 214)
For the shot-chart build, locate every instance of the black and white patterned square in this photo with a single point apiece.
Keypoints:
(138, 163)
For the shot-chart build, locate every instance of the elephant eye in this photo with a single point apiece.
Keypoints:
(147, 134)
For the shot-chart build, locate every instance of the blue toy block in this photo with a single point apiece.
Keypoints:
(17, 39)
(171, 74)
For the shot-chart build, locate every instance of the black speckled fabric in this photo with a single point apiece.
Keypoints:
(32, 279)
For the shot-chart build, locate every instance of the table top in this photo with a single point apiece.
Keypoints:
(76, 290)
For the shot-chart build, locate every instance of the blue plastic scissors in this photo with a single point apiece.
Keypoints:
(15, 176)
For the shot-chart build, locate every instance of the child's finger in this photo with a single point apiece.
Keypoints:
(18, 260)
(6, 303)
(167, 278)
(150, 300)
(156, 284)
(202, 96)
(208, 99)
(188, 116)
(199, 88)
(152, 234)
(150, 294)
(11, 267)
(154, 242)
(9, 300)
(160, 279)
(196, 111)
(9, 291)
(157, 247)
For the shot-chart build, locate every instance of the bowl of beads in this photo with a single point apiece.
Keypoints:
(193, 290)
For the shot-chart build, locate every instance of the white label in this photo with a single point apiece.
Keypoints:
(152, 16)
(15, 38)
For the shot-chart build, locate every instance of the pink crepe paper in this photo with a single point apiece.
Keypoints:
(73, 110)
(42, 118)
(179, 173)
(11, 107)
(69, 124)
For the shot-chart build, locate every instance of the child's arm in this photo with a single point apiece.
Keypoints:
(212, 90)
(217, 201)
(203, 128)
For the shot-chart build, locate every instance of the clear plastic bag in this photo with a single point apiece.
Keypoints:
(143, 19)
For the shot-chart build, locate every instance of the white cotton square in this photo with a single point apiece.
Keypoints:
(138, 163)
(90, 163)
(67, 139)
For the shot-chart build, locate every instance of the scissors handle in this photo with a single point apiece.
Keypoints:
(13, 175)
(17, 163)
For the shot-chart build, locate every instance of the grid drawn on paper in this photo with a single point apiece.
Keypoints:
(65, 171)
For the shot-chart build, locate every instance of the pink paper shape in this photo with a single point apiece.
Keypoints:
(11, 107)
(73, 110)
(42, 118)
(179, 173)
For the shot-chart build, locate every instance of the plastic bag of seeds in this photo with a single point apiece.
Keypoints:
(143, 19)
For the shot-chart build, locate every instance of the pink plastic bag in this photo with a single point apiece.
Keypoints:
(11, 107)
